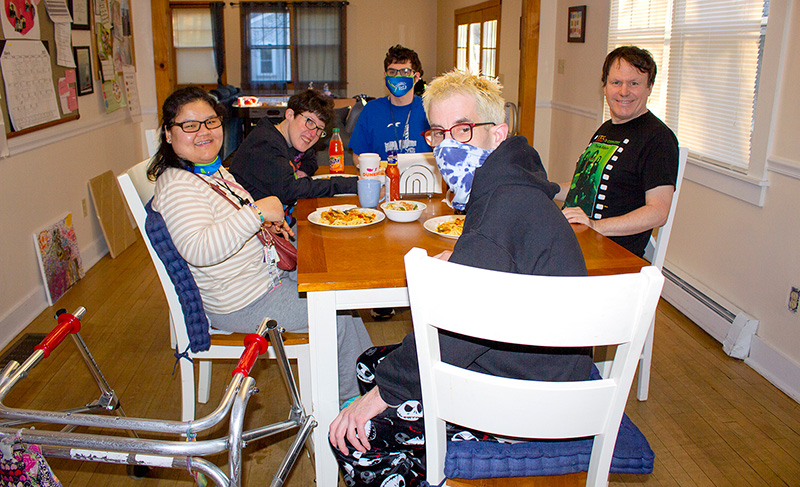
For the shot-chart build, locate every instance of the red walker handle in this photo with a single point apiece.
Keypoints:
(254, 345)
(67, 324)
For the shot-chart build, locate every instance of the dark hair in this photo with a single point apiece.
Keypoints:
(166, 156)
(312, 101)
(637, 57)
(399, 54)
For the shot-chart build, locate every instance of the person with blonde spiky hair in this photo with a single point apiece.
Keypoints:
(511, 225)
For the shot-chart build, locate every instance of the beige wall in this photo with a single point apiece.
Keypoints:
(47, 174)
(745, 253)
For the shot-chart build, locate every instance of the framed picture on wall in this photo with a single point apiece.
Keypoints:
(81, 14)
(83, 62)
(576, 28)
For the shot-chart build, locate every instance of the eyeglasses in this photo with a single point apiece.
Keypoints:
(192, 126)
(400, 72)
(311, 125)
(461, 132)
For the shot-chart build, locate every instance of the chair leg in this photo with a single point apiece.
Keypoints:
(187, 390)
(304, 377)
(204, 381)
(645, 362)
(173, 340)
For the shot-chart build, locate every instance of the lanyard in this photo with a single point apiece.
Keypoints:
(400, 148)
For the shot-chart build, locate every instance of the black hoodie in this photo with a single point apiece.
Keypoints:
(512, 225)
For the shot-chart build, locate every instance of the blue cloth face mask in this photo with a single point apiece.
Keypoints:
(457, 162)
(399, 85)
(208, 169)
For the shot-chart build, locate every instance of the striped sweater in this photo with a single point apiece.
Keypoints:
(217, 241)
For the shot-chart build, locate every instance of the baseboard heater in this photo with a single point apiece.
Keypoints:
(727, 324)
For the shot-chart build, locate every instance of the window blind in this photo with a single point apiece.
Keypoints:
(708, 56)
(194, 46)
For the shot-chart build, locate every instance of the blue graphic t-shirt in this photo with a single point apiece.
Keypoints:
(382, 127)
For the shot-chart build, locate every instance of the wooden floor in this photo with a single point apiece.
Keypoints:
(711, 420)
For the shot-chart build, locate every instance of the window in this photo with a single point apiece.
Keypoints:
(708, 54)
(477, 31)
(289, 45)
(194, 46)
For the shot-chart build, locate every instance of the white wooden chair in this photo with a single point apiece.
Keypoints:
(655, 252)
(138, 190)
(527, 310)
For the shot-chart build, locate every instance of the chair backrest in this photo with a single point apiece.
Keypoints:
(512, 118)
(527, 310)
(656, 249)
(138, 190)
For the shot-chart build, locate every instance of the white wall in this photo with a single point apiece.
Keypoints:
(46, 176)
(743, 252)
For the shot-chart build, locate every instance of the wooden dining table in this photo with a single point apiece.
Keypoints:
(362, 268)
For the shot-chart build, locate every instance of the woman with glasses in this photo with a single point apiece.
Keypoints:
(215, 224)
(277, 160)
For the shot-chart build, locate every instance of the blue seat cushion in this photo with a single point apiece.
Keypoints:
(483, 459)
(194, 314)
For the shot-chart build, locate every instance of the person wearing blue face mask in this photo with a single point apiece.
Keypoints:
(394, 122)
(511, 225)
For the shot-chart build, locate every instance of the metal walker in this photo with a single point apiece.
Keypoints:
(137, 452)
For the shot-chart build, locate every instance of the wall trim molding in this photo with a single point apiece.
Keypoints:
(740, 186)
(566, 107)
(786, 167)
(28, 308)
(28, 142)
(770, 363)
(780, 370)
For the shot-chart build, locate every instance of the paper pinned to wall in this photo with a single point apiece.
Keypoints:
(132, 91)
(63, 35)
(28, 80)
(57, 11)
(20, 20)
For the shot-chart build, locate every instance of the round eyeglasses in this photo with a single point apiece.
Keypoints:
(400, 72)
(311, 125)
(460, 132)
(192, 126)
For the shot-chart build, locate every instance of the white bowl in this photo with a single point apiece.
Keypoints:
(403, 216)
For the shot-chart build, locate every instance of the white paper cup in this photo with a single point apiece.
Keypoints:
(369, 165)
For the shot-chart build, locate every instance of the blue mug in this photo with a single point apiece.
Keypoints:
(369, 192)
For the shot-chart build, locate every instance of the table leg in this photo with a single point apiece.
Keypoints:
(324, 380)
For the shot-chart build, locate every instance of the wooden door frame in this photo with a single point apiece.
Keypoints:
(528, 65)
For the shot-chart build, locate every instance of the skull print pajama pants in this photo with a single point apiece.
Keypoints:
(397, 456)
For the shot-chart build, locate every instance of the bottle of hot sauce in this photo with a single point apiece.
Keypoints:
(392, 176)
(336, 153)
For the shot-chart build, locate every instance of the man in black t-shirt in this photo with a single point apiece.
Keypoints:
(624, 180)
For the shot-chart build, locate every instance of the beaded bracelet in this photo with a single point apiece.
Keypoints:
(260, 215)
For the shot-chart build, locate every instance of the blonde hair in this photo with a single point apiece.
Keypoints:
(489, 103)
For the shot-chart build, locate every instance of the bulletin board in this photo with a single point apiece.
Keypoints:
(46, 38)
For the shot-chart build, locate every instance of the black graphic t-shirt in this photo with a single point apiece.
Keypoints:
(620, 164)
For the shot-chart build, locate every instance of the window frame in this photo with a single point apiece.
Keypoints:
(751, 185)
(173, 51)
(481, 13)
(295, 82)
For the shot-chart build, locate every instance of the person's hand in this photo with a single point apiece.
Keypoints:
(281, 227)
(351, 421)
(576, 215)
(444, 255)
(300, 174)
